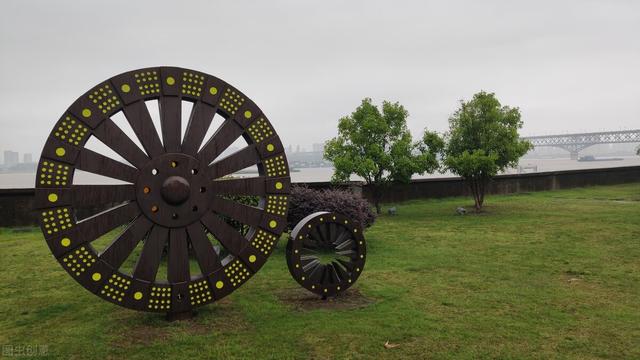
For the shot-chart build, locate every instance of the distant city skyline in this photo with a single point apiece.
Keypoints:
(12, 158)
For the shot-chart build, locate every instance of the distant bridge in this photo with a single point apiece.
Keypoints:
(574, 143)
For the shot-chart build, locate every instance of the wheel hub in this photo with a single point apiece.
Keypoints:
(173, 190)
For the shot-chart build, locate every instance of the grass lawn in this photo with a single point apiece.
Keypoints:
(540, 275)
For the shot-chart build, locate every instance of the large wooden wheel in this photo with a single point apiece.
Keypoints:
(178, 200)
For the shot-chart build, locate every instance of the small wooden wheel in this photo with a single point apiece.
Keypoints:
(326, 253)
(178, 198)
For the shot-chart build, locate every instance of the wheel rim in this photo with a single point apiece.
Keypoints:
(326, 253)
(177, 192)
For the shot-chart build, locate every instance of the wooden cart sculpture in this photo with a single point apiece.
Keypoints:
(177, 196)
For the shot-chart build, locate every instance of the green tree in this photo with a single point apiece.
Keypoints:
(482, 140)
(377, 146)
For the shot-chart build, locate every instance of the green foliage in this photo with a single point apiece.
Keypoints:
(377, 146)
(482, 140)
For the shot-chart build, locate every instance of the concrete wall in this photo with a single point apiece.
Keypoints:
(16, 207)
(16, 204)
(508, 184)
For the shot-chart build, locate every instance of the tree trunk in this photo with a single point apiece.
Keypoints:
(376, 199)
(474, 186)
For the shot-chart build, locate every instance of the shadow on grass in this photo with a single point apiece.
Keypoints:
(301, 300)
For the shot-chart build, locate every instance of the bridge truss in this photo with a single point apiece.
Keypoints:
(574, 143)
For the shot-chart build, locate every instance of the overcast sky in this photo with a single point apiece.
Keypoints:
(570, 66)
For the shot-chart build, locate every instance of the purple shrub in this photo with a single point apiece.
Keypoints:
(305, 201)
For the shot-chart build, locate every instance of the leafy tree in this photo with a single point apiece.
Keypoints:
(377, 146)
(482, 140)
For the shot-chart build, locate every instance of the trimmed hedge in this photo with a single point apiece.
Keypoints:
(304, 201)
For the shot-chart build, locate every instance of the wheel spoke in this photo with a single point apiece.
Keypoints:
(112, 136)
(243, 186)
(178, 264)
(171, 122)
(85, 196)
(122, 246)
(333, 232)
(97, 225)
(226, 134)
(245, 214)
(340, 271)
(237, 161)
(147, 266)
(98, 164)
(199, 121)
(140, 120)
(229, 237)
(324, 233)
(342, 238)
(205, 254)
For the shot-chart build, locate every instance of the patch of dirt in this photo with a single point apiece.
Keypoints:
(221, 316)
(144, 334)
(148, 328)
(303, 300)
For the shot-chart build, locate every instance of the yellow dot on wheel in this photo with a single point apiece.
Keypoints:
(125, 88)
(96, 276)
(247, 114)
(137, 295)
(270, 147)
(252, 258)
(273, 224)
(171, 80)
(65, 242)
(279, 185)
(213, 90)
(219, 284)
(86, 112)
(52, 198)
(60, 151)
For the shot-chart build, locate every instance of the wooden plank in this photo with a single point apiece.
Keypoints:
(83, 196)
(178, 261)
(146, 268)
(229, 237)
(112, 136)
(245, 214)
(244, 186)
(199, 121)
(121, 247)
(171, 122)
(93, 162)
(93, 227)
(140, 120)
(226, 134)
(237, 161)
(203, 249)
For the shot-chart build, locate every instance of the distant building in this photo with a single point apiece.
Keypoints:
(27, 158)
(11, 158)
(297, 148)
(318, 147)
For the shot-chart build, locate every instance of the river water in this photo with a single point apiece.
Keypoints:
(27, 180)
